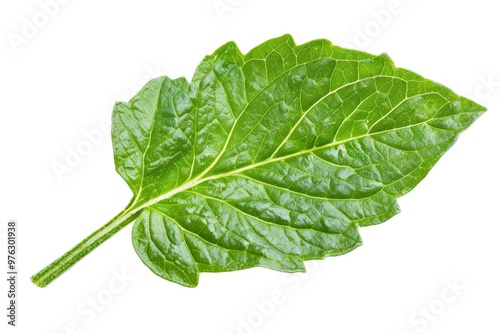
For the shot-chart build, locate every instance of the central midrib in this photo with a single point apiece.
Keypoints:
(200, 180)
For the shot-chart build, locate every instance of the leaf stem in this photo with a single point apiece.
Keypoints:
(45, 276)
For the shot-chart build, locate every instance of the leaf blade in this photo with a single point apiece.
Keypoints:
(278, 156)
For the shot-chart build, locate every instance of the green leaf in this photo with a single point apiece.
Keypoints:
(275, 157)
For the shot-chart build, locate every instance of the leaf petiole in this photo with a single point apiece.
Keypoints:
(45, 276)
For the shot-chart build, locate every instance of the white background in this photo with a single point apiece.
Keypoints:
(63, 79)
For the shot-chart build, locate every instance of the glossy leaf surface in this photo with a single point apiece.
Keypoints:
(277, 156)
